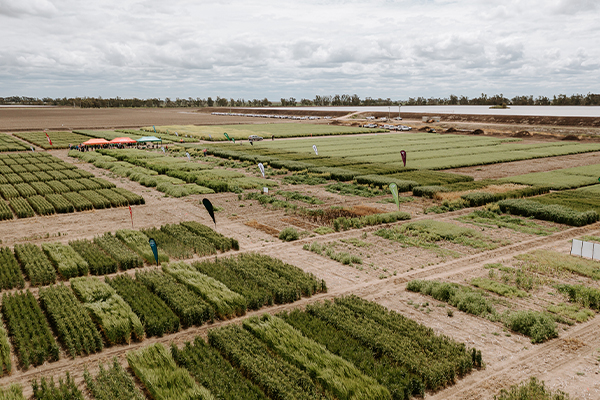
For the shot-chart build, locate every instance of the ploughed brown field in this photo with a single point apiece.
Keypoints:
(569, 363)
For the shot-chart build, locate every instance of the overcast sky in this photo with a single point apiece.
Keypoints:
(255, 49)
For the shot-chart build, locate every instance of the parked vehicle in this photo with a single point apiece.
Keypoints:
(254, 138)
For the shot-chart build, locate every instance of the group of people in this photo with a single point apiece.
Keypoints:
(83, 147)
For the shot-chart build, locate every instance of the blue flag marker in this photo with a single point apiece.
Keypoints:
(154, 128)
(154, 249)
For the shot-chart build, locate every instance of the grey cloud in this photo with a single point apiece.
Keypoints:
(571, 7)
(259, 47)
(23, 8)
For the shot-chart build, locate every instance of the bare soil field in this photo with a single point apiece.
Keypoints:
(569, 362)
(64, 118)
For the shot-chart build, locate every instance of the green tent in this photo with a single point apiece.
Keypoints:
(149, 139)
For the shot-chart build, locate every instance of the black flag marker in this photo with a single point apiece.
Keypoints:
(209, 208)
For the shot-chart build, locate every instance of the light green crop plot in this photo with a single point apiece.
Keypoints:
(264, 130)
(560, 179)
(429, 151)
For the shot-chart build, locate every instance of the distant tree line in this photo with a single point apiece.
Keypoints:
(561, 100)
(320, 100)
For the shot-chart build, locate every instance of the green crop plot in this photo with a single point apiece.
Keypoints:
(424, 151)
(60, 140)
(239, 132)
(8, 143)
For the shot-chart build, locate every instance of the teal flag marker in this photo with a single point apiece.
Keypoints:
(154, 128)
(154, 249)
(394, 189)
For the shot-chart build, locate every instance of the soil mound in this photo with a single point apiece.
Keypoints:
(477, 132)
(571, 137)
(450, 130)
(522, 134)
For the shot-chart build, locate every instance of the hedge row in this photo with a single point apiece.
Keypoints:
(345, 223)
(552, 212)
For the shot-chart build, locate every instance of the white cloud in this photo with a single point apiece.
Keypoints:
(258, 48)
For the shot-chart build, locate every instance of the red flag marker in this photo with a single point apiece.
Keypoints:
(48, 137)
(131, 214)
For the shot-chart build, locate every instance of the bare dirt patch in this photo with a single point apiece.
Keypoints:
(65, 118)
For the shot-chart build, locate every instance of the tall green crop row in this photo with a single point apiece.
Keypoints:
(277, 378)
(5, 361)
(225, 302)
(36, 265)
(334, 373)
(8, 191)
(113, 315)
(548, 212)
(13, 392)
(116, 200)
(157, 370)
(219, 241)
(212, 371)
(10, 273)
(189, 306)
(307, 283)
(48, 390)
(70, 320)
(103, 183)
(89, 184)
(437, 360)
(125, 257)
(201, 245)
(397, 379)
(226, 271)
(60, 204)
(262, 279)
(170, 245)
(5, 211)
(67, 262)
(132, 198)
(21, 207)
(42, 188)
(40, 205)
(112, 383)
(138, 242)
(98, 261)
(79, 202)
(29, 331)
(100, 202)
(154, 314)
(25, 190)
